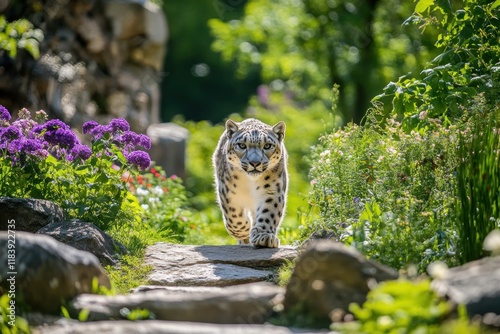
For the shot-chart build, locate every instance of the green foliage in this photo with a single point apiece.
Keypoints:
(404, 306)
(163, 200)
(10, 320)
(131, 273)
(478, 181)
(19, 34)
(467, 65)
(303, 129)
(370, 184)
(91, 189)
(308, 45)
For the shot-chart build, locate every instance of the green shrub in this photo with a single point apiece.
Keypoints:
(48, 161)
(163, 200)
(404, 306)
(467, 66)
(388, 193)
(478, 183)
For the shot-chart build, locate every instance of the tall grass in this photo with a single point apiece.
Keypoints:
(478, 186)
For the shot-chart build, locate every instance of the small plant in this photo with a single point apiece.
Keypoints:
(478, 185)
(404, 306)
(10, 322)
(163, 200)
(45, 159)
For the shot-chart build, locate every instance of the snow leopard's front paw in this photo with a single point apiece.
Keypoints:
(259, 239)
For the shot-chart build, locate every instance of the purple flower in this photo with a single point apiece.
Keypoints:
(61, 137)
(88, 126)
(10, 133)
(32, 146)
(139, 158)
(4, 114)
(16, 146)
(145, 141)
(55, 124)
(99, 131)
(119, 124)
(81, 151)
(129, 138)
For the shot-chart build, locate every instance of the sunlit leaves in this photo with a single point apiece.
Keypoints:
(19, 34)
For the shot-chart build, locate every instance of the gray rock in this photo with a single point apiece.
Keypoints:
(329, 275)
(475, 284)
(85, 236)
(28, 214)
(175, 265)
(166, 327)
(47, 272)
(207, 274)
(245, 304)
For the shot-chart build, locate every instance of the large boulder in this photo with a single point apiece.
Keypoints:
(46, 272)
(329, 275)
(475, 284)
(28, 214)
(87, 237)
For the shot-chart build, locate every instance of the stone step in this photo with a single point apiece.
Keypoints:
(248, 303)
(188, 265)
(167, 327)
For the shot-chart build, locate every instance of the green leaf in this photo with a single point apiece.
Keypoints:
(422, 5)
(495, 4)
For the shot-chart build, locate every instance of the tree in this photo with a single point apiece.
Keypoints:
(312, 44)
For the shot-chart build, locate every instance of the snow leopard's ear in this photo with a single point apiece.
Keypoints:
(231, 128)
(279, 129)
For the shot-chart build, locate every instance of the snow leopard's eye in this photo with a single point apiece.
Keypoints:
(241, 146)
(268, 146)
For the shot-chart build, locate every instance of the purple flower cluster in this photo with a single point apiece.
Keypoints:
(25, 138)
(4, 114)
(120, 134)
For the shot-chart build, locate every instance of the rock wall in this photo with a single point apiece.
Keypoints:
(99, 59)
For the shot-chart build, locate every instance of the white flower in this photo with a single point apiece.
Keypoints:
(142, 192)
(153, 200)
(158, 191)
(145, 206)
(438, 270)
(391, 150)
(324, 153)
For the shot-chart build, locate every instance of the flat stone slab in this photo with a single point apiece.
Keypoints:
(247, 303)
(166, 327)
(186, 265)
(207, 274)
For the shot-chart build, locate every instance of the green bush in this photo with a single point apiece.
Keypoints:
(467, 66)
(46, 160)
(402, 307)
(388, 193)
(163, 200)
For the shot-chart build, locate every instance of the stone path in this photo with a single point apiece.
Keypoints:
(193, 289)
(184, 265)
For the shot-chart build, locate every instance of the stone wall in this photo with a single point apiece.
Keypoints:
(99, 60)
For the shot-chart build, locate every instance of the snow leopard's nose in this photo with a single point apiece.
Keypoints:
(255, 164)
